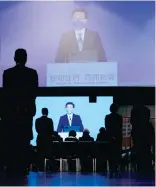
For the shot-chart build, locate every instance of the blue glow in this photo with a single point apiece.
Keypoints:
(92, 114)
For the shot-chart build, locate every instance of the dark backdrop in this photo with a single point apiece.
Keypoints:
(121, 95)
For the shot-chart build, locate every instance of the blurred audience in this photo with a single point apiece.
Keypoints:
(86, 136)
(72, 137)
(102, 157)
(56, 137)
(86, 151)
(102, 136)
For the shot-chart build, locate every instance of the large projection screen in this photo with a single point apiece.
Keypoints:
(81, 43)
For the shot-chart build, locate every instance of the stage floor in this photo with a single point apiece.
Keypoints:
(86, 179)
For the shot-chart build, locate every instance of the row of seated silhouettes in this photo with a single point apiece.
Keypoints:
(44, 128)
(55, 137)
(86, 163)
(113, 123)
(17, 109)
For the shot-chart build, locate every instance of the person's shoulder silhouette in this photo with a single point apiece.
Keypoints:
(140, 114)
(20, 85)
(20, 76)
(140, 117)
(113, 121)
(113, 117)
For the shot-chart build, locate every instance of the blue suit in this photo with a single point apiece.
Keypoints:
(63, 122)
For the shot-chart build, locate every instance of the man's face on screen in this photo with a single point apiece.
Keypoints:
(79, 20)
(69, 109)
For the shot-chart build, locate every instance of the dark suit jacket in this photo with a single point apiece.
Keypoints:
(44, 126)
(57, 139)
(68, 50)
(102, 137)
(113, 124)
(140, 117)
(86, 138)
(20, 85)
(64, 122)
(18, 107)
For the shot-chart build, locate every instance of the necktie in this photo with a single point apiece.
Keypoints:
(80, 41)
(70, 120)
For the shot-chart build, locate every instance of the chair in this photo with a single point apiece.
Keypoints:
(86, 150)
(102, 150)
(54, 152)
(69, 151)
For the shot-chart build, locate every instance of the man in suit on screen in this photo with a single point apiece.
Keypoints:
(70, 119)
(80, 44)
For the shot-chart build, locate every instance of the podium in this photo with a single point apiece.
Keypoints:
(82, 74)
(64, 135)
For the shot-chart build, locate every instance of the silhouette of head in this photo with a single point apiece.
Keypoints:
(69, 107)
(86, 132)
(80, 18)
(20, 56)
(102, 130)
(72, 133)
(113, 108)
(44, 111)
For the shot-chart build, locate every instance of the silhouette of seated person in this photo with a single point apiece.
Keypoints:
(85, 159)
(101, 161)
(44, 128)
(53, 164)
(20, 85)
(86, 136)
(113, 124)
(56, 137)
(102, 135)
(72, 137)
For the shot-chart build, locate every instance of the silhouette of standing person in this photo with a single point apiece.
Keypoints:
(20, 85)
(113, 124)
(44, 128)
(141, 135)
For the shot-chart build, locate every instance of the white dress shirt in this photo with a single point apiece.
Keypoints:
(70, 117)
(82, 32)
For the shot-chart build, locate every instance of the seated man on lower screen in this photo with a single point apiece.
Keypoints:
(70, 121)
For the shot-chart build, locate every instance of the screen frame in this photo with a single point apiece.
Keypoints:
(121, 95)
